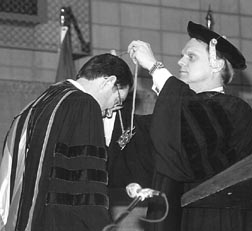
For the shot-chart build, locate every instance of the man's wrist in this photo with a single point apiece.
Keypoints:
(155, 66)
(159, 78)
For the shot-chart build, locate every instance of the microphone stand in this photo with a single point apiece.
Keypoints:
(124, 214)
(131, 206)
(135, 190)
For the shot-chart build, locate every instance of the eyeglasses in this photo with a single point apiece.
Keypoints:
(117, 106)
(119, 96)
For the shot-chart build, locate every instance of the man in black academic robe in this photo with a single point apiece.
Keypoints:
(197, 131)
(55, 159)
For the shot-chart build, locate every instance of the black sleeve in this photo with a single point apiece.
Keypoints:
(195, 136)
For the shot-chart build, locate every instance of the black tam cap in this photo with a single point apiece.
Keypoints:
(228, 50)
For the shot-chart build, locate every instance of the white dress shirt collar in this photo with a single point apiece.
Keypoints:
(218, 89)
(76, 84)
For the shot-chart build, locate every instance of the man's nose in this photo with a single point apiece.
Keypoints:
(182, 62)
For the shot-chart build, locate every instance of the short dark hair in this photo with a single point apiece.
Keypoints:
(107, 65)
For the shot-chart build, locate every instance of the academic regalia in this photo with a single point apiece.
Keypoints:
(196, 136)
(57, 144)
(134, 162)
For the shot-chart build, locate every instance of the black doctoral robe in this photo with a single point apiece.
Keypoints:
(57, 144)
(196, 136)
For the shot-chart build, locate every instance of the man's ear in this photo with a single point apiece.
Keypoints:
(110, 81)
(218, 65)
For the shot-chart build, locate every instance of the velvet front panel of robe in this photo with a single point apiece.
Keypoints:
(196, 136)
